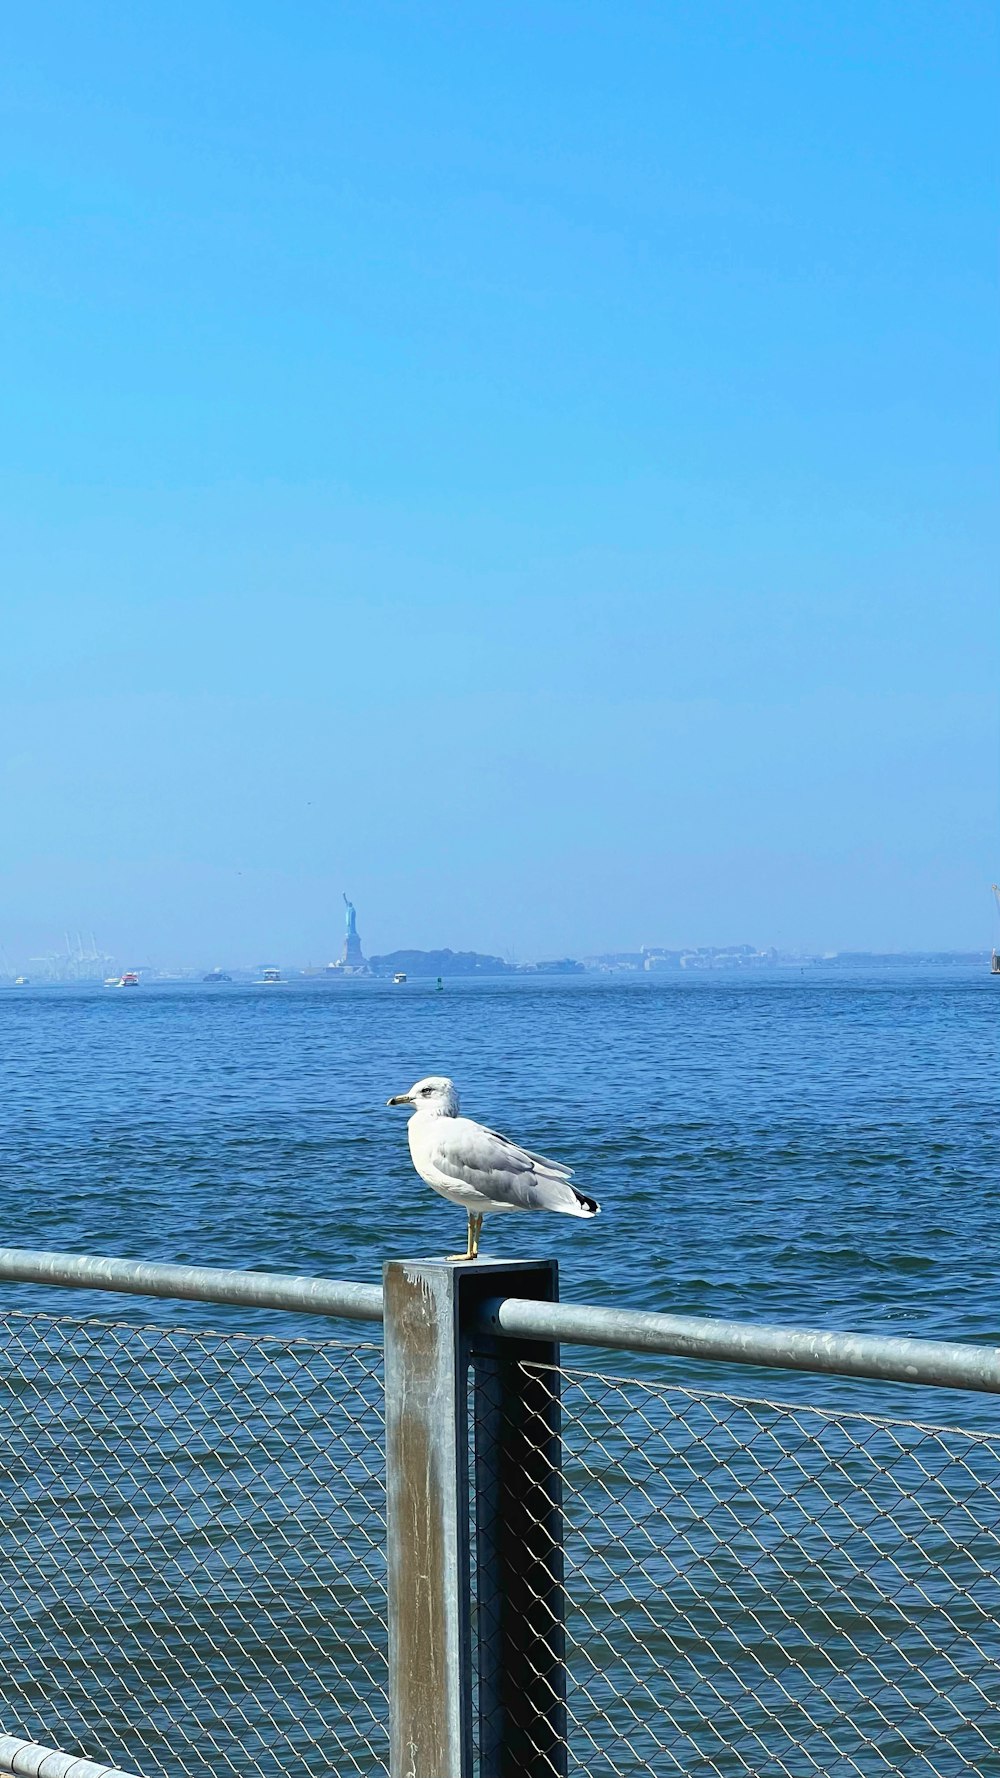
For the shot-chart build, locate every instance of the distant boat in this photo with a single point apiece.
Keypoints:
(995, 957)
(400, 976)
(216, 975)
(270, 976)
(22, 981)
(130, 979)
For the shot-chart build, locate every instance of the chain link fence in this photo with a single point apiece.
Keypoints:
(193, 1568)
(759, 1588)
(192, 1549)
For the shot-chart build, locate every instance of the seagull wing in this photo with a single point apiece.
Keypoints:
(538, 1160)
(466, 1153)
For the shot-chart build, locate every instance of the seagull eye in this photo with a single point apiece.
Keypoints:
(427, 1091)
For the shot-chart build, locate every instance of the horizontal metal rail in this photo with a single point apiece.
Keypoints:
(26, 1759)
(199, 1284)
(947, 1364)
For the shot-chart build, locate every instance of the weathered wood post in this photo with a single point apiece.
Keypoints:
(430, 1340)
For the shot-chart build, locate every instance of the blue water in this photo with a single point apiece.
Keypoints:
(816, 1148)
(192, 1526)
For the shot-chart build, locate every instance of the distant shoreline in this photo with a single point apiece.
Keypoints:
(291, 976)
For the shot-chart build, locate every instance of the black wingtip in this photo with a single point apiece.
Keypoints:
(591, 1205)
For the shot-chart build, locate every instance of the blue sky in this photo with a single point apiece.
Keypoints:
(533, 467)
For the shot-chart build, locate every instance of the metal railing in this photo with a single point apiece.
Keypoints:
(26, 1759)
(255, 1553)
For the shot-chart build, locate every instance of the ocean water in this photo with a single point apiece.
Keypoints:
(192, 1525)
(816, 1148)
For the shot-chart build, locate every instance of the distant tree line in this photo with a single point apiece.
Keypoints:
(466, 963)
(439, 963)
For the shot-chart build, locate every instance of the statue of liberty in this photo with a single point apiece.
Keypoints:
(353, 957)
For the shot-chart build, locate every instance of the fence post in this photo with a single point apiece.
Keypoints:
(519, 1541)
(430, 1306)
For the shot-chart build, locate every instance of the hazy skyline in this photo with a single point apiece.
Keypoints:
(76, 959)
(530, 467)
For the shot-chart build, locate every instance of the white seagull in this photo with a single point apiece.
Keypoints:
(474, 1167)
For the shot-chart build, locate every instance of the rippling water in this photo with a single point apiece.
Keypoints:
(805, 1148)
(817, 1148)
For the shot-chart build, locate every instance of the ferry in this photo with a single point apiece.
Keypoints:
(270, 976)
(130, 979)
(400, 976)
(216, 975)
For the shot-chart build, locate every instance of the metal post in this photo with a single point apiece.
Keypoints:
(519, 1543)
(427, 1513)
(429, 1304)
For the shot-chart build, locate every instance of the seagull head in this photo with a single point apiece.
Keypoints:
(435, 1095)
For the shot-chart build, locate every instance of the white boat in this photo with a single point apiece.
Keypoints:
(400, 976)
(269, 977)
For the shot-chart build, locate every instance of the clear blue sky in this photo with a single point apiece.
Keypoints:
(530, 466)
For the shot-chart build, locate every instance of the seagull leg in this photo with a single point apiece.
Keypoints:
(472, 1247)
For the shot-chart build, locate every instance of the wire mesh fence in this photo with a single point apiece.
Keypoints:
(193, 1567)
(753, 1587)
(192, 1549)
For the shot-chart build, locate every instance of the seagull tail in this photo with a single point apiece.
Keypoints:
(558, 1194)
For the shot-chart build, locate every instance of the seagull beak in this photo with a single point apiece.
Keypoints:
(399, 1099)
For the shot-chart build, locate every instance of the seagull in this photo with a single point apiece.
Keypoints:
(474, 1167)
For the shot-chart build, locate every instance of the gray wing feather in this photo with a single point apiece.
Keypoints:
(538, 1160)
(469, 1154)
